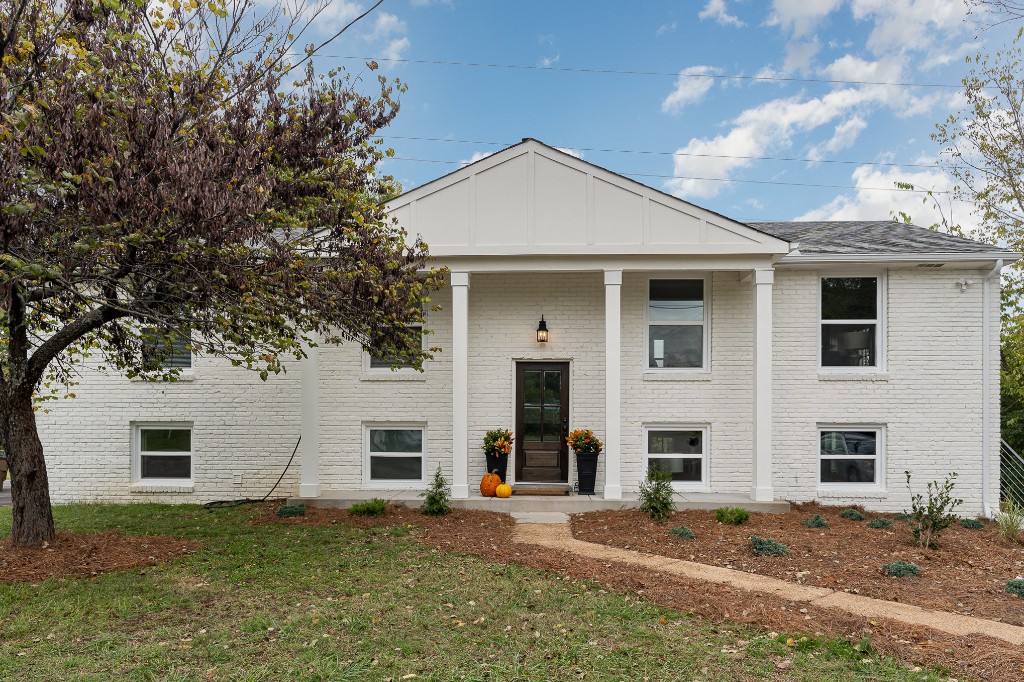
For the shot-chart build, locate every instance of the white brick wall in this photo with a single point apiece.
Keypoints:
(929, 400)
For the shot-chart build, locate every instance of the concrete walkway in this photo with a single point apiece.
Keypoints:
(560, 537)
(5, 495)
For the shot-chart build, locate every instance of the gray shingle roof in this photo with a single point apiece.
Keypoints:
(877, 237)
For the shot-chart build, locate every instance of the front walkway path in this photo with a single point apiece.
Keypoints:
(559, 536)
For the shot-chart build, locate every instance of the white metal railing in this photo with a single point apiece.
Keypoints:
(1011, 474)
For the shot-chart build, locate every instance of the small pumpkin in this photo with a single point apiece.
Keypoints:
(489, 483)
(503, 490)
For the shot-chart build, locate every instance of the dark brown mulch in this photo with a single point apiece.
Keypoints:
(966, 574)
(79, 555)
(489, 535)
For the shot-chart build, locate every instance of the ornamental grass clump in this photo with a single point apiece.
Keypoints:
(900, 569)
(732, 515)
(683, 532)
(852, 515)
(882, 524)
(656, 494)
(438, 496)
(972, 524)
(1015, 586)
(768, 547)
(286, 511)
(374, 507)
(929, 519)
(816, 521)
(1010, 519)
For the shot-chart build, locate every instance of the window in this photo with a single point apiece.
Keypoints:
(850, 321)
(850, 456)
(387, 362)
(676, 324)
(179, 353)
(682, 451)
(395, 454)
(164, 452)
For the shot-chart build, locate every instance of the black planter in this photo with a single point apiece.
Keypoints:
(497, 462)
(586, 471)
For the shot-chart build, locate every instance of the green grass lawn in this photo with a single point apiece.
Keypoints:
(285, 602)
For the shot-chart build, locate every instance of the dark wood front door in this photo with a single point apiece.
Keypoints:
(542, 422)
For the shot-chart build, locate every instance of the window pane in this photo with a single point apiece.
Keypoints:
(396, 468)
(172, 466)
(532, 388)
(847, 471)
(552, 388)
(675, 442)
(848, 442)
(531, 424)
(389, 361)
(849, 298)
(685, 469)
(552, 424)
(179, 353)
(396, 440)
(848, 345)
(677, 300)
(677, 346)
(166, 440)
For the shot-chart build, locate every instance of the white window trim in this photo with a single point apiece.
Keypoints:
(402, 372)
(137, 479)
(393, 426)
(880, 460)
(881, 294)
(705, 367)
(705, 429)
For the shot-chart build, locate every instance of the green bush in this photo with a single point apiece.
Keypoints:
(437, 498)
(816, 521)
(883, 524)
(656, 494)
(972, 524)
(902, 516)
(928, 520)
(1015, 586)
(1010, 519)
(374, 507)
(683, 532)
(768, 547)
(852, 514)
(288, 510)
(900, 569)
(732, 515)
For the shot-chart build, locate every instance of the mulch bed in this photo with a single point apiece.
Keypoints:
(489, 535)
(967, 574)
(79, 555)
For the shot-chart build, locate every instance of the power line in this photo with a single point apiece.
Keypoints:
(663, 153)
(703, 179)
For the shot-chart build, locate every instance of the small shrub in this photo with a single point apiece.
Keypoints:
(438, 496)
(732, 515)
(852, 514)
(816, 521)
(927, 521)
(902, 516)
(286, 511)
(683, 532)
(883, 524)
(1015, 586)
(768, 547)
(972, 524)
(656, 494)
(900, 569)
(1010, 519)
(374, 507)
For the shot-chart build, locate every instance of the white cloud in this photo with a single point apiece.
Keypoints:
(692, 85)
(845, 134)
(669, 27)
(333, 17)
(426, 3)
(473, 159)
(800, 54)
(800, 16)
(387, 25)
(717, 10)
(571, 152)
(395, 48)
(547, 62)
(899, 24)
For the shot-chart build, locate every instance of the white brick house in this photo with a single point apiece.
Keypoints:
(769, 361)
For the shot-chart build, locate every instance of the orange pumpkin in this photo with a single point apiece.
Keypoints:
(503, 490)
(489, 483)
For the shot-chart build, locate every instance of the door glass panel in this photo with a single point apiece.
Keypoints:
(531, 388)
(552, 425)
(531, 424)
(552, 388)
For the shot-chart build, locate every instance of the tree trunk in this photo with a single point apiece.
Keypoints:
(30, 488)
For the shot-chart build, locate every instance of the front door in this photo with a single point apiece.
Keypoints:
(542, 422)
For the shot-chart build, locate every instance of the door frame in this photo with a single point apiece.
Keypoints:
(568, 404)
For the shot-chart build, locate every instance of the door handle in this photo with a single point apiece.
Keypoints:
(565, 427)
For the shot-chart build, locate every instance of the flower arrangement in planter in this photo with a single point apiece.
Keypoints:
(497, 447)
(587, 447)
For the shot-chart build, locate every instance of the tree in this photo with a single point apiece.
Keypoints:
(160, 172)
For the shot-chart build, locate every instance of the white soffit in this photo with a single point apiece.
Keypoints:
(534, 199)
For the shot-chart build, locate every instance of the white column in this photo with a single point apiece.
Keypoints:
(612, 384)
(309, 424)
(460, 385)
(762, 478)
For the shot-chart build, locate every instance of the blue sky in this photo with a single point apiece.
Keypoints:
(679, 104)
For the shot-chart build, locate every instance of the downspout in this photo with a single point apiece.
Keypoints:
(986, 389)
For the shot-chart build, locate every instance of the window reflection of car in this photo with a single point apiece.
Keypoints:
(845, 448)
